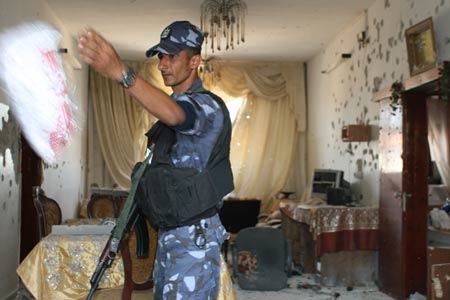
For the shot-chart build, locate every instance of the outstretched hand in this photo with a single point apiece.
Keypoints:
(100, 54)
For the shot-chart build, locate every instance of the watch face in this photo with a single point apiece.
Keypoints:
(128, 78)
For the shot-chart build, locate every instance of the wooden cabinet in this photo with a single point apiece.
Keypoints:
(355, 133)
(438, 259)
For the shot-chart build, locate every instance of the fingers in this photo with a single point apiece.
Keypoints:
(88, 46)
(85, 54)
(84, 50)
(97, 52)
(97, 39)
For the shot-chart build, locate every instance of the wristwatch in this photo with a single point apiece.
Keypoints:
(128, 78)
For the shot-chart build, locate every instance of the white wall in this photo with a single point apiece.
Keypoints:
(343, 95)
(64, 181)
(9, 199)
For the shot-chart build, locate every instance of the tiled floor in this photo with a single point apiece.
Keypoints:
(304, 287)
(300, 287)
(116, 294)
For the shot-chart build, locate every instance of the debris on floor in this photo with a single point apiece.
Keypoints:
(307, 287)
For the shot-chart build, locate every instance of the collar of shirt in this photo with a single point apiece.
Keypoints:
(196, 86)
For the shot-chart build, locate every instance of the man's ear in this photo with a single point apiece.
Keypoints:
(196, 60)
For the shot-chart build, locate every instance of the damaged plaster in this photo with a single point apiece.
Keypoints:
(372, 67)
(9, 136)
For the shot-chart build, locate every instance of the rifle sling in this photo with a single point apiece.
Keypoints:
(123, 219)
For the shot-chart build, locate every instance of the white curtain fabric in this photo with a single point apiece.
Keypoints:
(266, 131)
(266, 150)
(120, 124)
(437, 138)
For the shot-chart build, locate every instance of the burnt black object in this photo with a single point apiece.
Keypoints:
(236, 215)
(239, 214)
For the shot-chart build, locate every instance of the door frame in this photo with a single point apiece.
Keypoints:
(412, 207)
(31, 170)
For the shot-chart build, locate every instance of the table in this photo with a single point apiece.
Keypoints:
(343, 239)
(89, 221)
(60, 267)
(337, 228)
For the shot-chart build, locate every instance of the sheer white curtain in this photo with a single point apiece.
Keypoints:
(437, 138)
(266, 131)
(118, 129)
(265, 151)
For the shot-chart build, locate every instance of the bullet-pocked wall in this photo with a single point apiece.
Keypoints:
(340, 89)
(63, 181)
(9, 197)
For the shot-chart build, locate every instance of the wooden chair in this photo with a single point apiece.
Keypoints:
(106, 204)
(102, 206)
(138, 268)
(48, 211)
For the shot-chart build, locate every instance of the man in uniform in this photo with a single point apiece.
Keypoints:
(190, 233)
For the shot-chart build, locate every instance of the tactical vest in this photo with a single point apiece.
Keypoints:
(172, 197)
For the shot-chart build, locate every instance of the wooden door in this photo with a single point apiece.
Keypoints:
(391, 264)
(415, 192)
(31, 169)
(404, 187)
(403, 196)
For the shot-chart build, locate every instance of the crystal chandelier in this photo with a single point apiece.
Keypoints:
(223, 19)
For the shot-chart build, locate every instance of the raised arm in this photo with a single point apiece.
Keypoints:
(99, 54)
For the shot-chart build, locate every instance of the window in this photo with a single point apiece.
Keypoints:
(233, 107)
(233, 104)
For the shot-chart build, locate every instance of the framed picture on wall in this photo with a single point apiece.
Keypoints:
(420, 46)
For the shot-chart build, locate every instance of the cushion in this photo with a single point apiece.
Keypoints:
(247, 262)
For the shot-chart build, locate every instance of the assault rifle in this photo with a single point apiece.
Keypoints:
(129, 219)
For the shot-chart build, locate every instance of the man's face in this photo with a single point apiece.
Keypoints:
(175, 69)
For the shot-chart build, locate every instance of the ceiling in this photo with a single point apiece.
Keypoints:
(287, 30)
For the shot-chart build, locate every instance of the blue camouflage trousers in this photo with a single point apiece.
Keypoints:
(187, 264)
